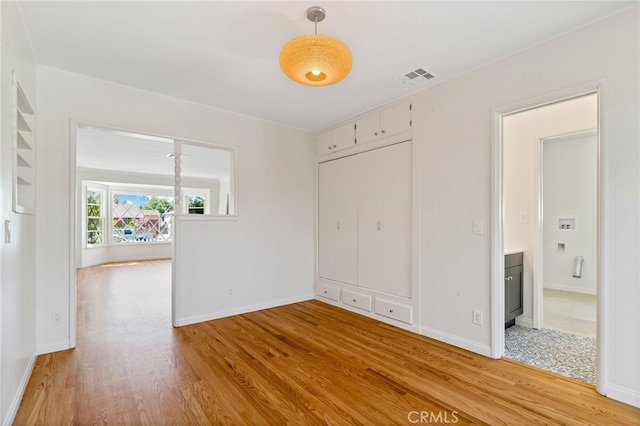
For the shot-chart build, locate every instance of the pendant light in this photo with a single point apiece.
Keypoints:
(316, 60)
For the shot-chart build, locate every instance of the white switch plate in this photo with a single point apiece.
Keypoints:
(7, 231)
(477, 316)
(524, 217)
(477, 227)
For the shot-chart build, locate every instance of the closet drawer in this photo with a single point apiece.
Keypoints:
(358, 300)
(328, 291)
(393, 310)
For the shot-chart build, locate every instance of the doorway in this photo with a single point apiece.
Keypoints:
(549, 215)
(129, 188)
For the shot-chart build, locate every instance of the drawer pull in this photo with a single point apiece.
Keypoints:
(390, 311)
(325, 292)
(354, 300)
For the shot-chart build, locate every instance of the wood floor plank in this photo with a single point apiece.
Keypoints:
(304, 364)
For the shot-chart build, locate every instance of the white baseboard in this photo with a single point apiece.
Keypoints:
(62, 345)
(626, 395)
(572, 289)
(243, 310)
(457, 341)
(15, 403)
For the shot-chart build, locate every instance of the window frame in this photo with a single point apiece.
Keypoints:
(101, 205)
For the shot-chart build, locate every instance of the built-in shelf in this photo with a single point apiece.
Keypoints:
(23, 152)
(566, 223)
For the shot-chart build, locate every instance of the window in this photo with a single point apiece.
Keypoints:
(195, 205)
(95, 223)
(141, 218)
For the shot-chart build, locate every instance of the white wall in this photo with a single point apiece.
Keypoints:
(570, 191)
(17, 258)
(521, 135)
(452, 134)
(275, 189)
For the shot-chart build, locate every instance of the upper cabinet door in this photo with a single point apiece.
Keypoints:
(344, 136)
(336, 139)
(368, 128)
(396, 119)
(324, 142)
(381, 124)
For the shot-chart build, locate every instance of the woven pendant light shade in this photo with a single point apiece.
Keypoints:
(316, 60)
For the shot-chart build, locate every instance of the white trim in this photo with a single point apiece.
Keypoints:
(61, 345)
(537, 292)
(452, 339)
(15, 403)
(622, 394)
(179, 322)
(74, 238)
(497, 237)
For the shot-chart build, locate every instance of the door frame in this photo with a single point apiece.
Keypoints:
(497, 219)
(538, 244)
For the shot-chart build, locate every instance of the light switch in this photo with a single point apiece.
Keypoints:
(524, 217)
(477, 227)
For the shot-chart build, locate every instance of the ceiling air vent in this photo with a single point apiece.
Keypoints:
(416, 77)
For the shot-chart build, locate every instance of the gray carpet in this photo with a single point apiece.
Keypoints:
(566, 354)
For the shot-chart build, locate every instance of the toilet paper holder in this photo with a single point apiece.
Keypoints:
(577, 267)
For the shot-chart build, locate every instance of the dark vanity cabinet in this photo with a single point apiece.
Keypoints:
(512, 288)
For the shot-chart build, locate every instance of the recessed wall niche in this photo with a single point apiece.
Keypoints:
(24, 155)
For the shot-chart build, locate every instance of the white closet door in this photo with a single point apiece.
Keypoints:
(397, 219)
(370, 217)
(384, 219)
(337, 220)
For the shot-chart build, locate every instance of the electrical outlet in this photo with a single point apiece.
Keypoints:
(477, 316)
(56, 318)
(230, 292)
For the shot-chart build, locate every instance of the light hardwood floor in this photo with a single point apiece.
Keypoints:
(306, 363)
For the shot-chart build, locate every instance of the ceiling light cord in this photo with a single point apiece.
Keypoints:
(315, 20)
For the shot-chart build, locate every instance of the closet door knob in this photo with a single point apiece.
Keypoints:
(379, 225)
(375, 133)
(382, 131)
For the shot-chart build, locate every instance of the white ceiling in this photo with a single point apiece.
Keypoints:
(125, 152)
(225, 54)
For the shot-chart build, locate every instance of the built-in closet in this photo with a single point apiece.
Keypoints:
(365, 214)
